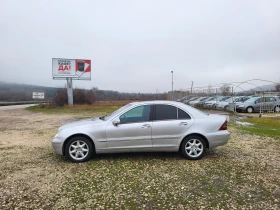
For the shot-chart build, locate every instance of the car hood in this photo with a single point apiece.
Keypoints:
(81, 122)
(211, 102)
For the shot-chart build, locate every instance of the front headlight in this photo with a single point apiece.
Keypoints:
(240, 105)
(56, 135)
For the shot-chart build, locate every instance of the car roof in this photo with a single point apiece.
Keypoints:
(193, 111)
(155, 102)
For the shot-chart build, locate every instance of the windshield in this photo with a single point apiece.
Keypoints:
(203, 99)
(252, 99)
(210, 99)
(229, 100)
(225, 98)
(106, 117)
(193, 99)
(218, 98)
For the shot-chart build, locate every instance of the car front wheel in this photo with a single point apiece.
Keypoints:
(193, 147)
(226, 108)
(79, 149)
(250, 109)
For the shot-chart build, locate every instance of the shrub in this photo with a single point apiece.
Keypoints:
(80, 96)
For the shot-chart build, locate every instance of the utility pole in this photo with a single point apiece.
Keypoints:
(156, 94)
(191, 87)
(172, 86)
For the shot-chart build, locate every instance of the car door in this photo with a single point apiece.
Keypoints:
(270, 103)
(169, 124)
(133, 131)
(259, 104)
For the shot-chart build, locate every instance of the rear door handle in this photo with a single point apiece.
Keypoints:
(183, 123)
(146, 126)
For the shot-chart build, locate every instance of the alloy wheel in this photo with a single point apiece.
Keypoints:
(194, 148)
(78, 150)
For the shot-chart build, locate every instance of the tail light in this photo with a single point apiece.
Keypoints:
(224, 126)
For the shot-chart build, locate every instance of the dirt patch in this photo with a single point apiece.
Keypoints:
(244, 174)
(30, 172)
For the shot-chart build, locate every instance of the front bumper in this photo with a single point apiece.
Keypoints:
(209, 106)
(57, 145)
(220, 107)
(241, 109)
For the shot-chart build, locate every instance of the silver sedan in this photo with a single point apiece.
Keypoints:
(158, 126)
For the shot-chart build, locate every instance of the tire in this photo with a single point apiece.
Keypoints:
(250, 109)
(188, 149)
(79, 149)
(226, 108)
(277, 109)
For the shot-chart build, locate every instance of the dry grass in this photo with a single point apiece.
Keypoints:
(244, 174)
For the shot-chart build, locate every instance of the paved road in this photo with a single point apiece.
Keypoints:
(16, 107)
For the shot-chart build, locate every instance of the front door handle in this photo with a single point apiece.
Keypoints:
(146, 126)
(183, 123)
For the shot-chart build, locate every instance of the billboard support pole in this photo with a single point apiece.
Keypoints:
(70, 91)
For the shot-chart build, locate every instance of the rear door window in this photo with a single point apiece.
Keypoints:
(168, 112)
(165, 112)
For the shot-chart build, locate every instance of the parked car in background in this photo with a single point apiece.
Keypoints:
(189, 100)
(224, 105)
(200, 104)
(184, 98)
(160, 126)
(255, 104)
(212, 104)
(194, 102)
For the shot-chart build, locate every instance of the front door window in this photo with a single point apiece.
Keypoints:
(137, 114)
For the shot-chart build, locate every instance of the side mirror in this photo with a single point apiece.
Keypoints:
(116, 122)
(255, 102)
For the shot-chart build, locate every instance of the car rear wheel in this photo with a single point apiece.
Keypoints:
(226, 108)
(277, 109)
(193, 147)
(250, 109)
(79, 149)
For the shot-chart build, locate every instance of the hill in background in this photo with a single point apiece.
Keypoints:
(23, 92)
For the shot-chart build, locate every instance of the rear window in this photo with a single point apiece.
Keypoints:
(183, 115)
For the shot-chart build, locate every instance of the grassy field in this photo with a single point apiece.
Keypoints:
(261, 126)
(97, 107)
(244, 174)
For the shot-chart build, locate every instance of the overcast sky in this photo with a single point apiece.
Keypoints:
(134, 45)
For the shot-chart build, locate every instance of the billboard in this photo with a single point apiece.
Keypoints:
(38, 95)
(71, 68)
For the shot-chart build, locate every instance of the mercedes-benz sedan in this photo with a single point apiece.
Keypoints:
(159, 126)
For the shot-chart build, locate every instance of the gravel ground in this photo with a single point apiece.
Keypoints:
(244, 174)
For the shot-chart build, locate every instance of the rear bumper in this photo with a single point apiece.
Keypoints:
(218, 138)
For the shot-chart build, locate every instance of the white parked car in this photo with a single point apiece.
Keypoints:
(212, 104)
(194, 102)
(159, 126)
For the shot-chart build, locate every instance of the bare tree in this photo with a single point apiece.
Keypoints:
(209, 90)
(225, 89)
